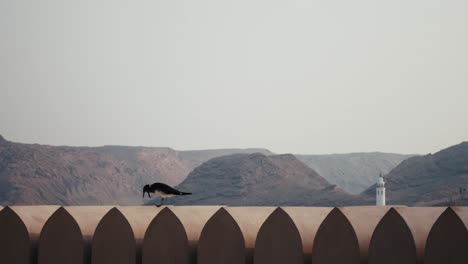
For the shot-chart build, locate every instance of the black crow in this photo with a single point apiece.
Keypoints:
(162, 190)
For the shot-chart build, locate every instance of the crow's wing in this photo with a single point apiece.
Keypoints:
(164, 188)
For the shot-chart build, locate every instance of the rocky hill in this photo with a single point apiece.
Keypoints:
(257, 179)
(428, 180)
(354, 172)
(41, 174)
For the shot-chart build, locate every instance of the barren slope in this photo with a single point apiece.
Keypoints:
(41, 174)
(256, 179)
(429, 179)
(354, 172)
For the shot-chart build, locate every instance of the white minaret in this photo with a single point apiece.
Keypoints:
(380, 191)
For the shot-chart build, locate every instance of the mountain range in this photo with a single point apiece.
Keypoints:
(43, 174)
(354, 172)
(257, 179)
(430, 179)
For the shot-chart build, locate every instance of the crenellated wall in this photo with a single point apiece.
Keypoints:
(215, 234)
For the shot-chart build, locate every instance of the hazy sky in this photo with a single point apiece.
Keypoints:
(291, 76)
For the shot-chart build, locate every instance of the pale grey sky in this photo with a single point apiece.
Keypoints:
(291, 76)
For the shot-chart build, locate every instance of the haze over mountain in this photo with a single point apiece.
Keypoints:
(256, 179)
(427, 180)
(41, 174)
(354, 172)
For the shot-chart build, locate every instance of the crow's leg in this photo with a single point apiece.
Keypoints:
(162, 200)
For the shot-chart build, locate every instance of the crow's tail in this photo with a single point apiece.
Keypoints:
(184, 193)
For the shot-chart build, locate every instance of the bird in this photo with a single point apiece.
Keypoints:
(162, 190)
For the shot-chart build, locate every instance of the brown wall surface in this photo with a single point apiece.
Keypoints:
(113, 241)
(139, 218)
(34, 218)
(215, 234)
(447, 241)
(165, 240)
(194, 218)
(221, 241)
(307, 221)
(249, 220)
(60, 240)
(462, 212)
(336, 241)
(364, 220)
(14, 238)
(87, 218)
(278, 240)
(400, 237)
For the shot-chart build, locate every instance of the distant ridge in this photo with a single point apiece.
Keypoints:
(354, 172)
(43, 174)
(257, 179)
(428, 180)
(197, 157)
